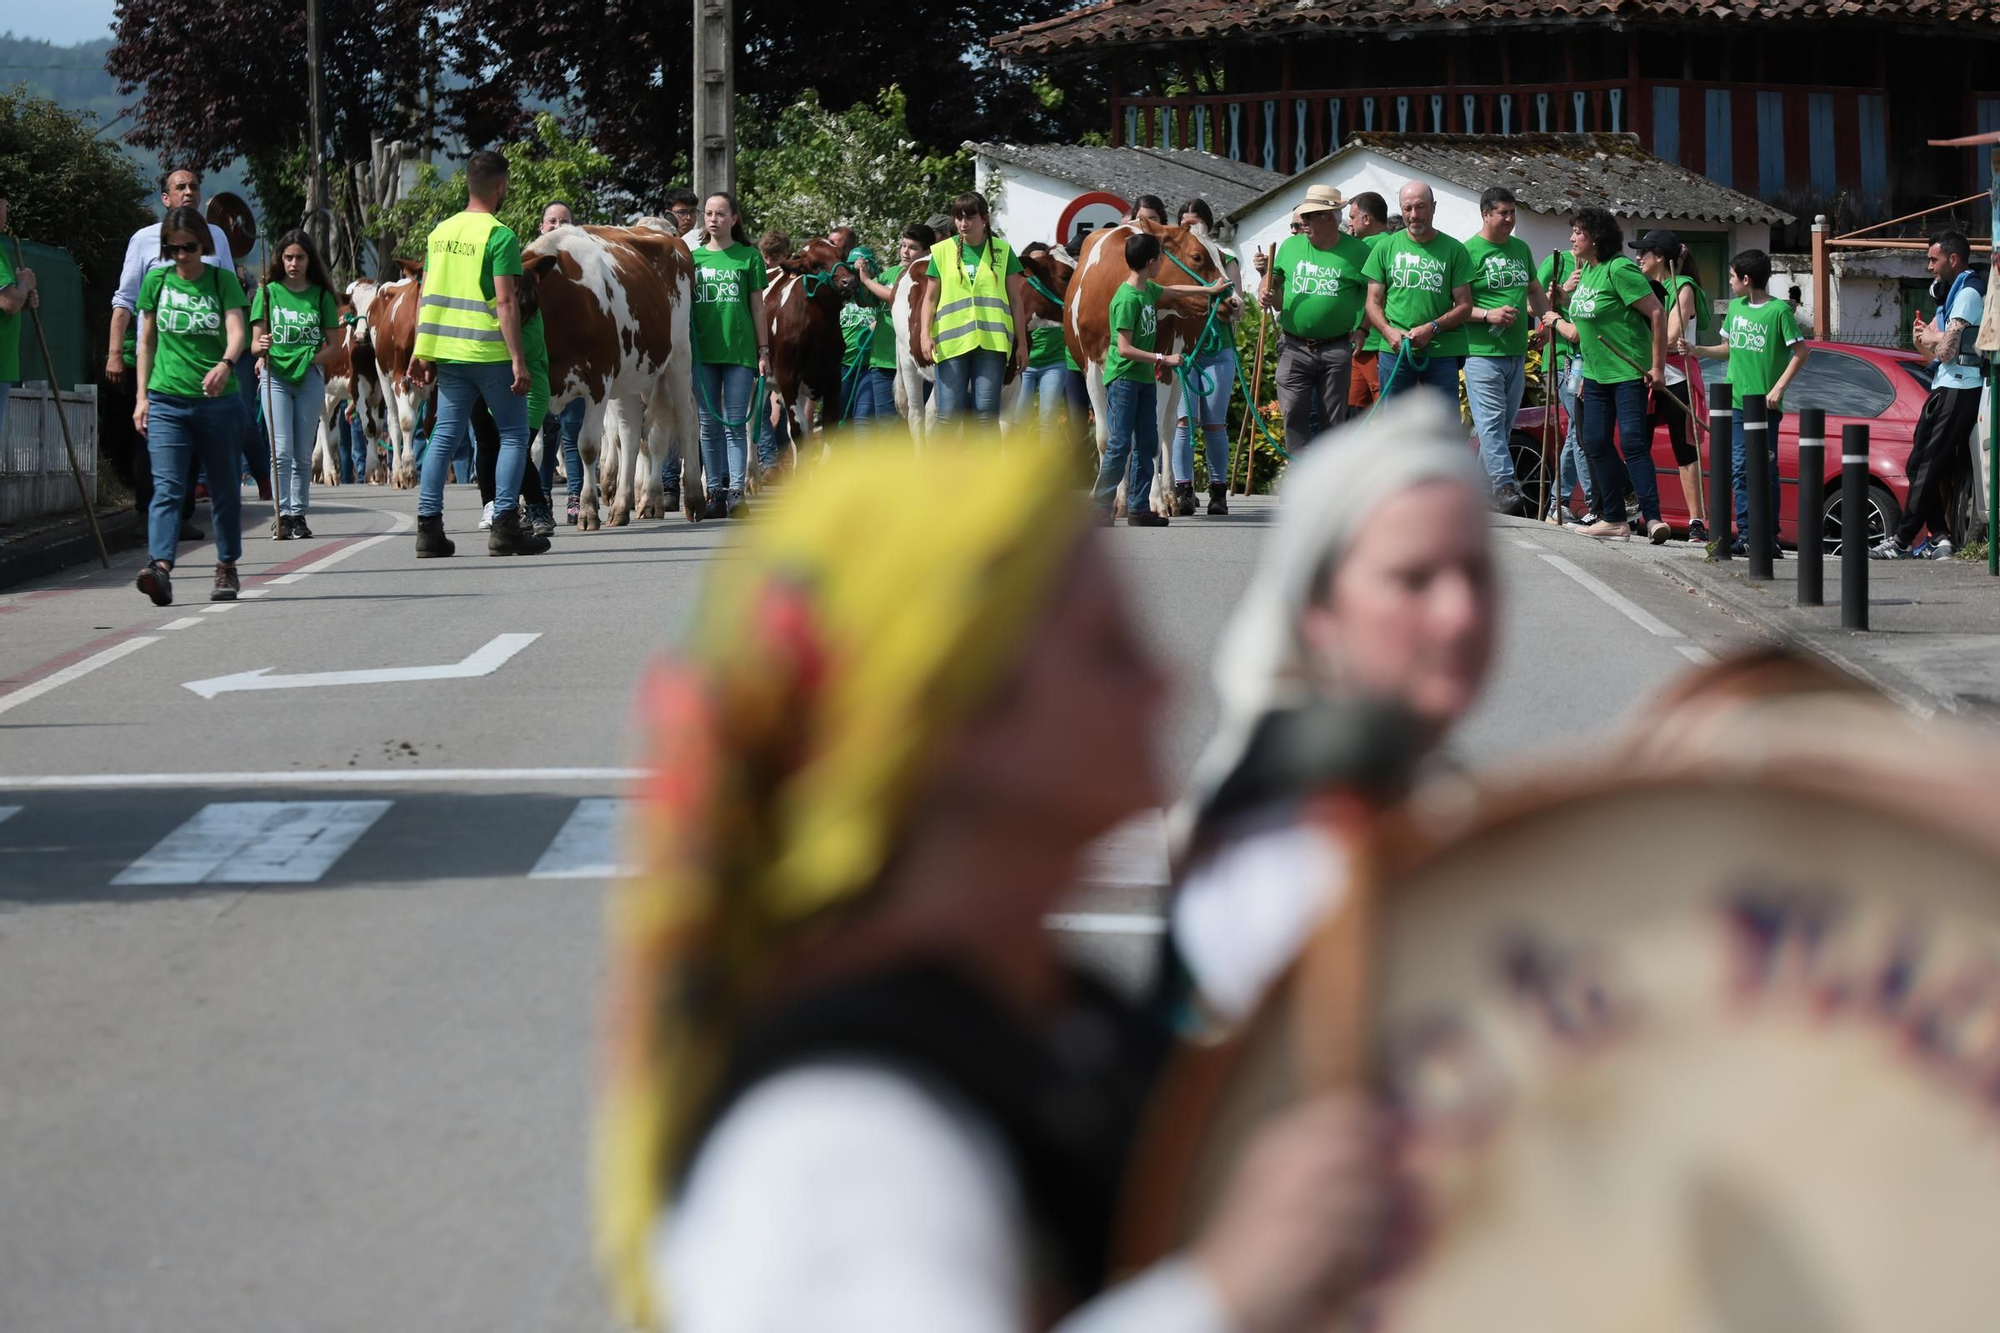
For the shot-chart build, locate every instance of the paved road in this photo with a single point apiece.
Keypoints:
(296, 984)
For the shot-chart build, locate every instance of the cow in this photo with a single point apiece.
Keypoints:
(913, 368)
(1100, 267)
(615, 303)
(391, 328)
(1052, 270)
(802, 325)
(350, 377)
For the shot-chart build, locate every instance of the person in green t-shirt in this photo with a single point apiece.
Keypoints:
(1670, 266)
(1419, 297)
(17, 292)
(1765, 350)
(1620, 328)
(876, 403)
(1131, 367)
(293, 321)
(1315, 286)
(732, 348)
(1559, 275)
(191, 335)
(1504, 291)
(1368, 223)
(1041, 384)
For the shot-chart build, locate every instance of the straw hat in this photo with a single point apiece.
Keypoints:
(1319, 199)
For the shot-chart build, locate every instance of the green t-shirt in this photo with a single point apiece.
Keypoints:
(1499, 279)
(971, 255)
(1324, 289)
(189, 318)
(857, 330)
(1046, 346)
(10, 331)
(1418, 281)
(298, 323)
(724, 334)
(1133, 309)
(1761, 338)
(882, 351)
(1553, 273)
(502, 258)
(1601, 309)
(535, 351)
(1703, 331)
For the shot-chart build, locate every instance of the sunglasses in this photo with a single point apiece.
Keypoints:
(185, 248)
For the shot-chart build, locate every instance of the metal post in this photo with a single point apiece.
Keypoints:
(319, 218)
(1822, 279)
(1721, 494)
(1757, 485)
(1812, 505)
(714, 97)
(1854, 526)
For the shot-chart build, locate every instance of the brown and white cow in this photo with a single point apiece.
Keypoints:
(802, 323)
(615, 303)
(913, 369)
(1100, 268)
(1052, 270)
(391, 328)
(350, 377)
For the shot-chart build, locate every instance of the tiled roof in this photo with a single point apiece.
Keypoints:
(1128, 22)
(1555, 173)
(1175, 174)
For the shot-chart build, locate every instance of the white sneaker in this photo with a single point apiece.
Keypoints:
(1939, 549)
(486, 517)
(1888, 549)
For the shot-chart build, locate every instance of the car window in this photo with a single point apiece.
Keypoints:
(1842, 385)
(1920, 371)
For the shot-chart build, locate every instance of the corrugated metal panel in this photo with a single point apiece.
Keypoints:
(34, 467)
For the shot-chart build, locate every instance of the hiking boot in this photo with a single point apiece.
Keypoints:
(1183, 499)
(1218, 498)
(540, 521)
(718, 505)
(157, 583)
(508, 537)
(281, 527)
(1145, 518)
(431, 540)
(1610, 530)
(226, 586)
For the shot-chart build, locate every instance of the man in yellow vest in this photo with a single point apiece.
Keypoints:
(975, 313)
(469, 345)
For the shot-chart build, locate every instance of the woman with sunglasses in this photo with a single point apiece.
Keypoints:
(191, 335)
(292, 323)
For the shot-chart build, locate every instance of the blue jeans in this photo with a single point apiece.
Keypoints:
(1042, 392)
(1493, 389)
(1574, 469)
(1440, 373)
(1741, 474)
(1631, 463)
(562, 428)
(180, 431)
(352, 446)
(294, 412)
(877, 401)
(725, 446)
(1132, 447)
(969, 385)
(459, 385)
(853, 380)
(1218, 372)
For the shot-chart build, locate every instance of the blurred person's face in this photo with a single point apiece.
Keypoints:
(909, 252)
(1409, 612)
(556, 215)
(183, 190)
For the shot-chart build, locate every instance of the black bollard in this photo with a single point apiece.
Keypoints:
(1854, 526)
(1812, 505)
(1757, 484)
(1721, 492)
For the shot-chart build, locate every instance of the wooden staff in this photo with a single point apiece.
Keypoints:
(1247, 445)
(1685, 410)
(69, 445)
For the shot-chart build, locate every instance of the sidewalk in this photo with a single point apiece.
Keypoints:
(31, 549)
(1933, 640)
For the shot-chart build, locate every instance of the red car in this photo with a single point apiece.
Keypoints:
(1883, 387)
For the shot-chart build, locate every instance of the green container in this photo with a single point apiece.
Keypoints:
(62, 315)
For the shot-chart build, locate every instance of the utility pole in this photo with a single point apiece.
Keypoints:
(714, 97)
(318, 206)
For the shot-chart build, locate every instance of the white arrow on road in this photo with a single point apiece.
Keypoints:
(484, 662)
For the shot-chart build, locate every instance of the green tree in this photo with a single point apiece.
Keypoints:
(811, 169)
(551, 165)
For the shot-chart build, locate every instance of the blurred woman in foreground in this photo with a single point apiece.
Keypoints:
(851, 1083)
(1365, 635)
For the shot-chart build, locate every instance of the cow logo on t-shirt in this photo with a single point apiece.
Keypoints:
(1501, 273)
(293, 328)
(718, 286)
(1149, 321)
(1747, 335)
(1312, 278)
(1415, 271)
(187, 312)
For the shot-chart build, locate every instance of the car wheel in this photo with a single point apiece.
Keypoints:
(1528, 466)
(1883, 516)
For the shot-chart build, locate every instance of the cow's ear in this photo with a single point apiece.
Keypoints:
(410, 268)
(535, 266)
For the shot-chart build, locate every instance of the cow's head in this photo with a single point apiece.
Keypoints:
(409, 268)
(1047, 277)
(829, 277)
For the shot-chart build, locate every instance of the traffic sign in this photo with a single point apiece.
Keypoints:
(1087, 213)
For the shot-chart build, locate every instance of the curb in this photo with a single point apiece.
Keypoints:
(71, 544)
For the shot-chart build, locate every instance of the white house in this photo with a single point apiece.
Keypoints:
(1031, 187)
(1874, 293)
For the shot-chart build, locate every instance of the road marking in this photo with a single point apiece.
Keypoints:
(255, 842)
(218, 608)
(185, 622)
(1134, 853)
(292, 777)
(248, 593)
(586, 846)
(1698, 656)
(1617, 601)
(1107, 923)
(1524, 542)
(399, 523)
(7, 812)
(57, 679)
(483, 662)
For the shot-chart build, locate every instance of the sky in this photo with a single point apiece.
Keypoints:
(61, 21)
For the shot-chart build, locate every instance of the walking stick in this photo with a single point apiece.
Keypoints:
(1549, 390)
(1248, 444)
(1685, 410)
(69, 445)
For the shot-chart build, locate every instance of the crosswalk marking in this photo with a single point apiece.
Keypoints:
(1107, 923)
(586, 846)
(7, 812)
(255, 842)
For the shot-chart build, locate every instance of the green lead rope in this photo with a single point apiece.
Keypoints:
(701, 383)
(1197, 382)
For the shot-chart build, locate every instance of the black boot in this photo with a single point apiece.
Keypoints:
(281, 527)
(508, 537)
(718, 505)
(431, 540)
(1183, 499)
(1218, 498)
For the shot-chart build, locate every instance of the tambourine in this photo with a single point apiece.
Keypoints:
(1712, 1046)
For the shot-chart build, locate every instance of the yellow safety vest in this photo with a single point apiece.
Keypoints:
(455, 319)
(975, 315)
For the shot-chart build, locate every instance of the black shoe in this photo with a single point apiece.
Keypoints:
(1508, 500)
(299, 528)
(718, 505)
(1145, 518)
(1218, 498)
(670, 499)
(738, 506)
(508, 537)
(431, 540)
(540, 521)
(227, 585)
(157, 583)
(281, 527)
(1183, 499)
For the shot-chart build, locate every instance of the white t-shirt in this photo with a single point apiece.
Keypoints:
(847, 1197)
(142, 256)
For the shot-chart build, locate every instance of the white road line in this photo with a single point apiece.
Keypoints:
(314, 778)
(1617, 601)
(75, 670)
(248, 593)
(1698, 656)
(1107, 923)
(217, 608)
(400, 523)
(185, 622)
(1524, 542)
(255, 842)
(482, 661)
(1135, 853)
(587, 845)
(7, 812)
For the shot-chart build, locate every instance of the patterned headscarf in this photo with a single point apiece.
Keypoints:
(861, 623)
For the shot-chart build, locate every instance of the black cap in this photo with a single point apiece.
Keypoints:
(1660, 241)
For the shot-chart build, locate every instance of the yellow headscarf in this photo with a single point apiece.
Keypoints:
(863, 619)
